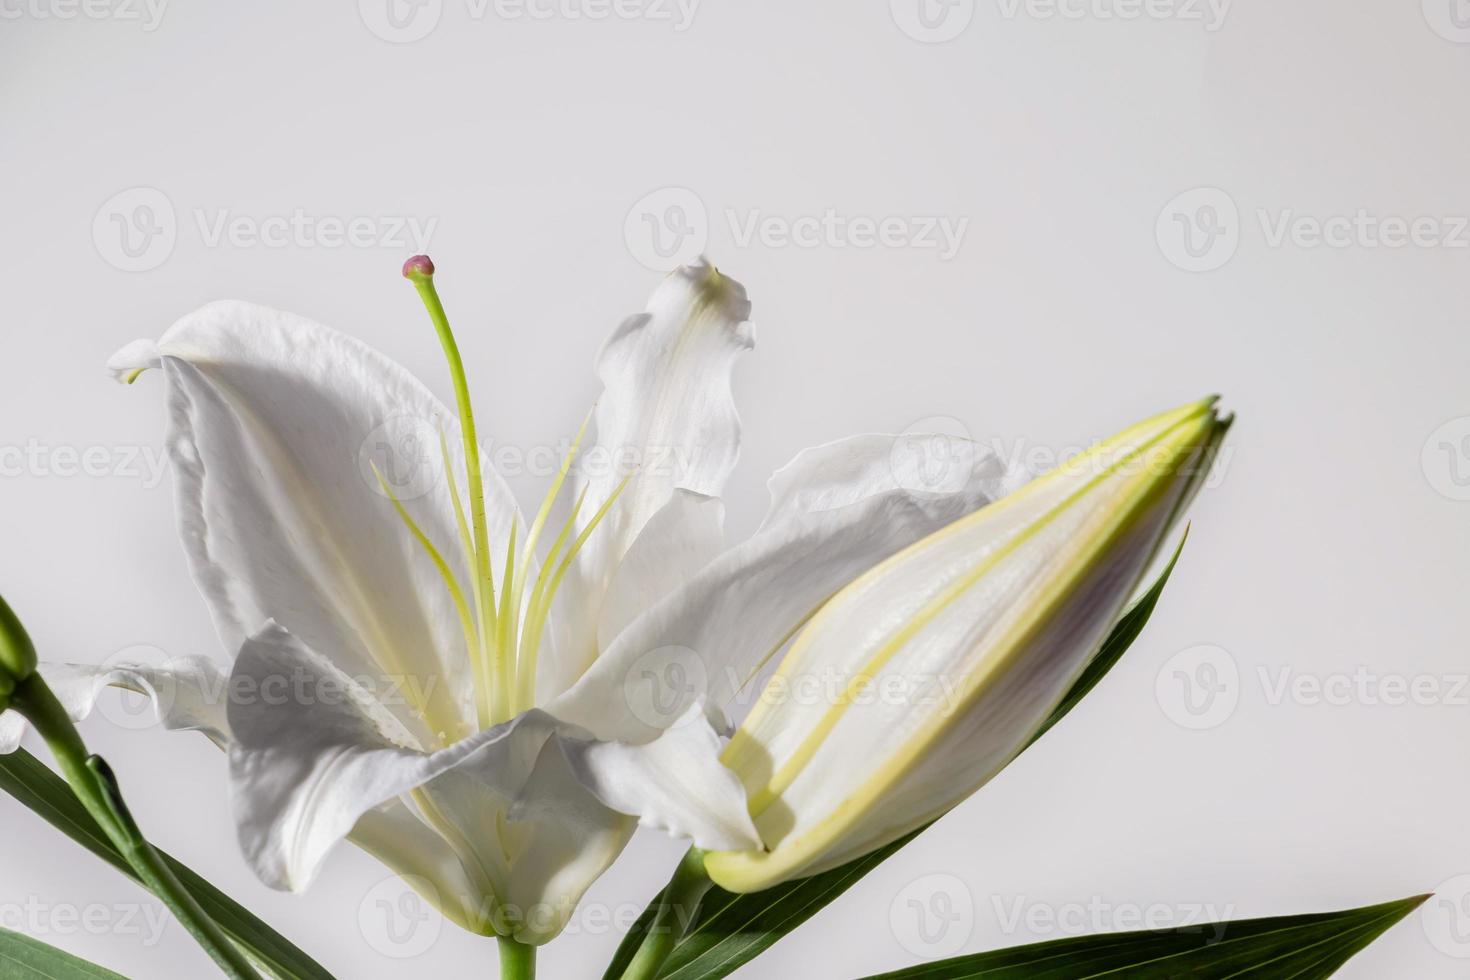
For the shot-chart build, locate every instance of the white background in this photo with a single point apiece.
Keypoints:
(1335, 543)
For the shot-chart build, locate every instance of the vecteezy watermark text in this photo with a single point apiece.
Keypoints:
(407, 21)
(137, 229)
(1201, 686)
(148, 14)
(1210, 13)
(671, 227)
(141, 920)
(1201, 229)
(33, 458)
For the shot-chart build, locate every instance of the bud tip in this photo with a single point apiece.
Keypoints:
(17, 654)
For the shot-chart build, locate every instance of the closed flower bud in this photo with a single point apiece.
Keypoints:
(921, 680)
(17, 653)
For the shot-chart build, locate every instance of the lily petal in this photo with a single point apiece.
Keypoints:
(564, 838)
(677, 542)
(188, 694)
(836, 511)
(849, 470)
(670, 784)
(396, 836)
(666, 420)
(275, 426)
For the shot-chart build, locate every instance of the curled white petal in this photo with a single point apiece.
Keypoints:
(666, 420)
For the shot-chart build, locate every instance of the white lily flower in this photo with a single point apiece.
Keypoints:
(951, 655)
(456, 689)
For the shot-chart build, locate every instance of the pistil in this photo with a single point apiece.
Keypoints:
(504, 644)
(493, 676)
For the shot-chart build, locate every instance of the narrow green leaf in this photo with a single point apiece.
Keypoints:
(730, 930)
(1294, 947)
(24, 958)
(32, 782)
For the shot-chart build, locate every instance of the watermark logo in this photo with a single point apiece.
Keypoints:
(667, 228)
(672, 227)
(1099, 915)
(401, 21)
(1446, 917)
(939, 233)
(1445, 459)
(1450, 19)
(395, 918)
(135, 230)
(402, 458)
(678, 13)
(934, 456)
(137, 708)
(933, 917)
(932, 21)
(1199, 688)
(663, 684)
(406, 21)
(1199, 230)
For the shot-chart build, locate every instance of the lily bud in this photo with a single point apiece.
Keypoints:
(17, 653)
(921, 680)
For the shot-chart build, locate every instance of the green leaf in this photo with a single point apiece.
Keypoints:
(731, 930)
(24, 958)
(33, 783)
(1290, 947)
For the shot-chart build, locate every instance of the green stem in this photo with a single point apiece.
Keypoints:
(676, 908)
(93, 782)
(517, 960)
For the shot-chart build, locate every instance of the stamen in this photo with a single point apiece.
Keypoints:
(536, 617)
(528, 554)
(505, 636)
(537, 620)
(479, 663)
(455, 592)
(549, 501)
